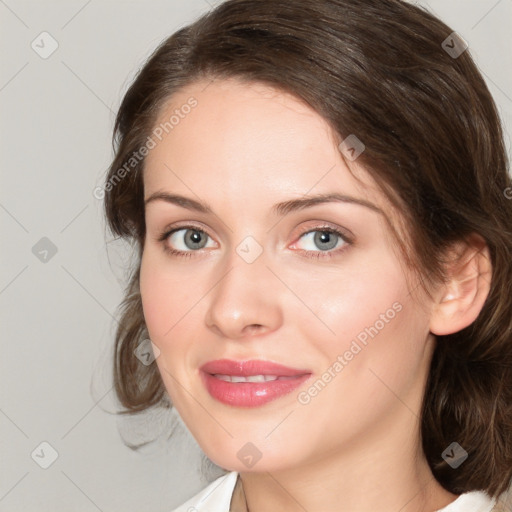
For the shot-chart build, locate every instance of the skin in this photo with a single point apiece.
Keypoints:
(355, 446)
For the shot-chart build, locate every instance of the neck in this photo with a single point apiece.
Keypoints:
(365, 476)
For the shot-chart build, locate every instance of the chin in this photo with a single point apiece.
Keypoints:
(247, 457)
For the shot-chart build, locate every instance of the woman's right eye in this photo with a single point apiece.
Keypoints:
(188, 239)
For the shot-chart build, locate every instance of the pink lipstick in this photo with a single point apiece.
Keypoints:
(250, 383)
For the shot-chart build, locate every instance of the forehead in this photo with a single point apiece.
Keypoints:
(246, 143)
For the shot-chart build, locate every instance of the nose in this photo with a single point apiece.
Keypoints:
(246, 301)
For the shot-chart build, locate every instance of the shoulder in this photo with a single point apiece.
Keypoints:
(504, 501)
(473, 501)
(216, 497)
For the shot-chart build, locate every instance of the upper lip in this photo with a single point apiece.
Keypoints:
(250, 367)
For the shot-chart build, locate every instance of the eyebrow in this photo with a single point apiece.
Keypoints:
(278, 209)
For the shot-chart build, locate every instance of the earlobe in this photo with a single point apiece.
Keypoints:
(460, 300)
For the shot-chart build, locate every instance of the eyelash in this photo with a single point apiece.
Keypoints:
(309, 254)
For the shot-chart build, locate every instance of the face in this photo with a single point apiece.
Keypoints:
(319, 289)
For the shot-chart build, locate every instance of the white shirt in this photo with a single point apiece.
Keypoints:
(216, 497)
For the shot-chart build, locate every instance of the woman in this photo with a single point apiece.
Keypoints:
(319, 197)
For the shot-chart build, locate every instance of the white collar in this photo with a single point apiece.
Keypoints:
(216, 497)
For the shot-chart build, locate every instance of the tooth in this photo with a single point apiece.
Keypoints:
(227, 378)
(255, 378)
(249, 378)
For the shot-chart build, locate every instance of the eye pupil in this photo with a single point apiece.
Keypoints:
(194, 238)
(324, 237)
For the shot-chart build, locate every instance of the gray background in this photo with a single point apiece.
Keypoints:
(58, 315)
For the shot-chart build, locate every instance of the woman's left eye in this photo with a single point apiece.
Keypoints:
(324, 238)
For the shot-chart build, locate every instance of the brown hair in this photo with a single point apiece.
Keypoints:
(434, 144)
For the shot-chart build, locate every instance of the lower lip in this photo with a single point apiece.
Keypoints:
(250, 394)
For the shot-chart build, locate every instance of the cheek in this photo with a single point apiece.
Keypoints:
(168, 296)
(155, 300)
(374, 379)
(366, 292)
(173, 302)
(167, 303)
(370, 334)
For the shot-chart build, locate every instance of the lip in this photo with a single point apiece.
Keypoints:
(250, 367)
(250, 394)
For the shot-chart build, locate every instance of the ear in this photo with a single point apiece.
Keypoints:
(460, 300)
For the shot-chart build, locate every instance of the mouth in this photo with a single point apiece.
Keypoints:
(250, 383)
(251, 378)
